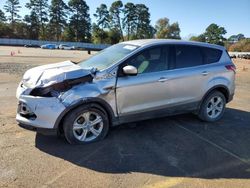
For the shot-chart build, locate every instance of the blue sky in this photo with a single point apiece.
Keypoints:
(193, 16)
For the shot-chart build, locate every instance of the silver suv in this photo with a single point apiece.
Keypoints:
(127, 82)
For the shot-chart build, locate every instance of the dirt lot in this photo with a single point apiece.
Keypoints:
(178, 151)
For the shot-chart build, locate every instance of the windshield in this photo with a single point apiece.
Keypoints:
(108, 56)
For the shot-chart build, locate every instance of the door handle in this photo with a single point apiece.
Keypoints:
(163, 79)
(204, 73)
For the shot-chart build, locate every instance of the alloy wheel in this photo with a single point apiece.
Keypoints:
(215, 107)
(87, 126)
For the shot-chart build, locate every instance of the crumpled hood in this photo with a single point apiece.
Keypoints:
(46, 75)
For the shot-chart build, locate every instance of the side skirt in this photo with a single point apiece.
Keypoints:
(163, 112)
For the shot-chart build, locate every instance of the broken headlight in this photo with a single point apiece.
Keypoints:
(50, 91)
(55, 89)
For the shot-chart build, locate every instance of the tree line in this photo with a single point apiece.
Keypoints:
(214, 34)
(119, 22)
(71, 22)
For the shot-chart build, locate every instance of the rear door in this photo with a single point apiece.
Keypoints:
(187, 76)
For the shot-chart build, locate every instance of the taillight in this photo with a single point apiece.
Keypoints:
(231, 68)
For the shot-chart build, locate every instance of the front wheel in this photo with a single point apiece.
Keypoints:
(213, 107)
(85, 124)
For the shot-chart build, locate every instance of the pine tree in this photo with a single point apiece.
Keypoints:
(102, 16)
(143, 29)
(129, 20)
(32, 22)
(39, 8)
(115, 15)
(2, 16)
(58, 18)
(12, 7)
(80, 21)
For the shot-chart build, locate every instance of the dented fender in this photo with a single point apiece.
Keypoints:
(97, 89)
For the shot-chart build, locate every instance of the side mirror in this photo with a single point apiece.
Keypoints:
(130, 70)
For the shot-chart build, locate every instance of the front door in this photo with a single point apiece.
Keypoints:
(148, 89)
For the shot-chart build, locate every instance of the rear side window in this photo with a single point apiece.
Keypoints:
(211, 55)
(187, 56)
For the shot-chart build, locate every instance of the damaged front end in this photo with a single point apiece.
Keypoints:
(49, 80)
(39, 91)
(46, 92)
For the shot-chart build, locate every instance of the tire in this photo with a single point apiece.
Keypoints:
(86, 124)
(209, 111)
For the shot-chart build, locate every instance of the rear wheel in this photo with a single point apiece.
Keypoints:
(213, 107)
(85, 124)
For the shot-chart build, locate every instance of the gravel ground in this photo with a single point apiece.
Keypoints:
(178, 151)
(14, 68)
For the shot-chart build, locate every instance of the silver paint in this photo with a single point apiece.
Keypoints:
(129, 94)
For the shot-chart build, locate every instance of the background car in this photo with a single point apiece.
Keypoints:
(31, 46)
(49, 46)
(66, 47)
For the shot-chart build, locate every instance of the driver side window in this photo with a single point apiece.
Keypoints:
(150, 60)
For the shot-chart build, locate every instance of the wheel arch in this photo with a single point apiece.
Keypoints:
(221, 88)
(96, 102)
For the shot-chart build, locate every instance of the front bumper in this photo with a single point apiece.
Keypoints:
(43, 131)
(230, 97)
(45, 109)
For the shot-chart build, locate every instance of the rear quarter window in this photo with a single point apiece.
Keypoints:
(211, 55)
